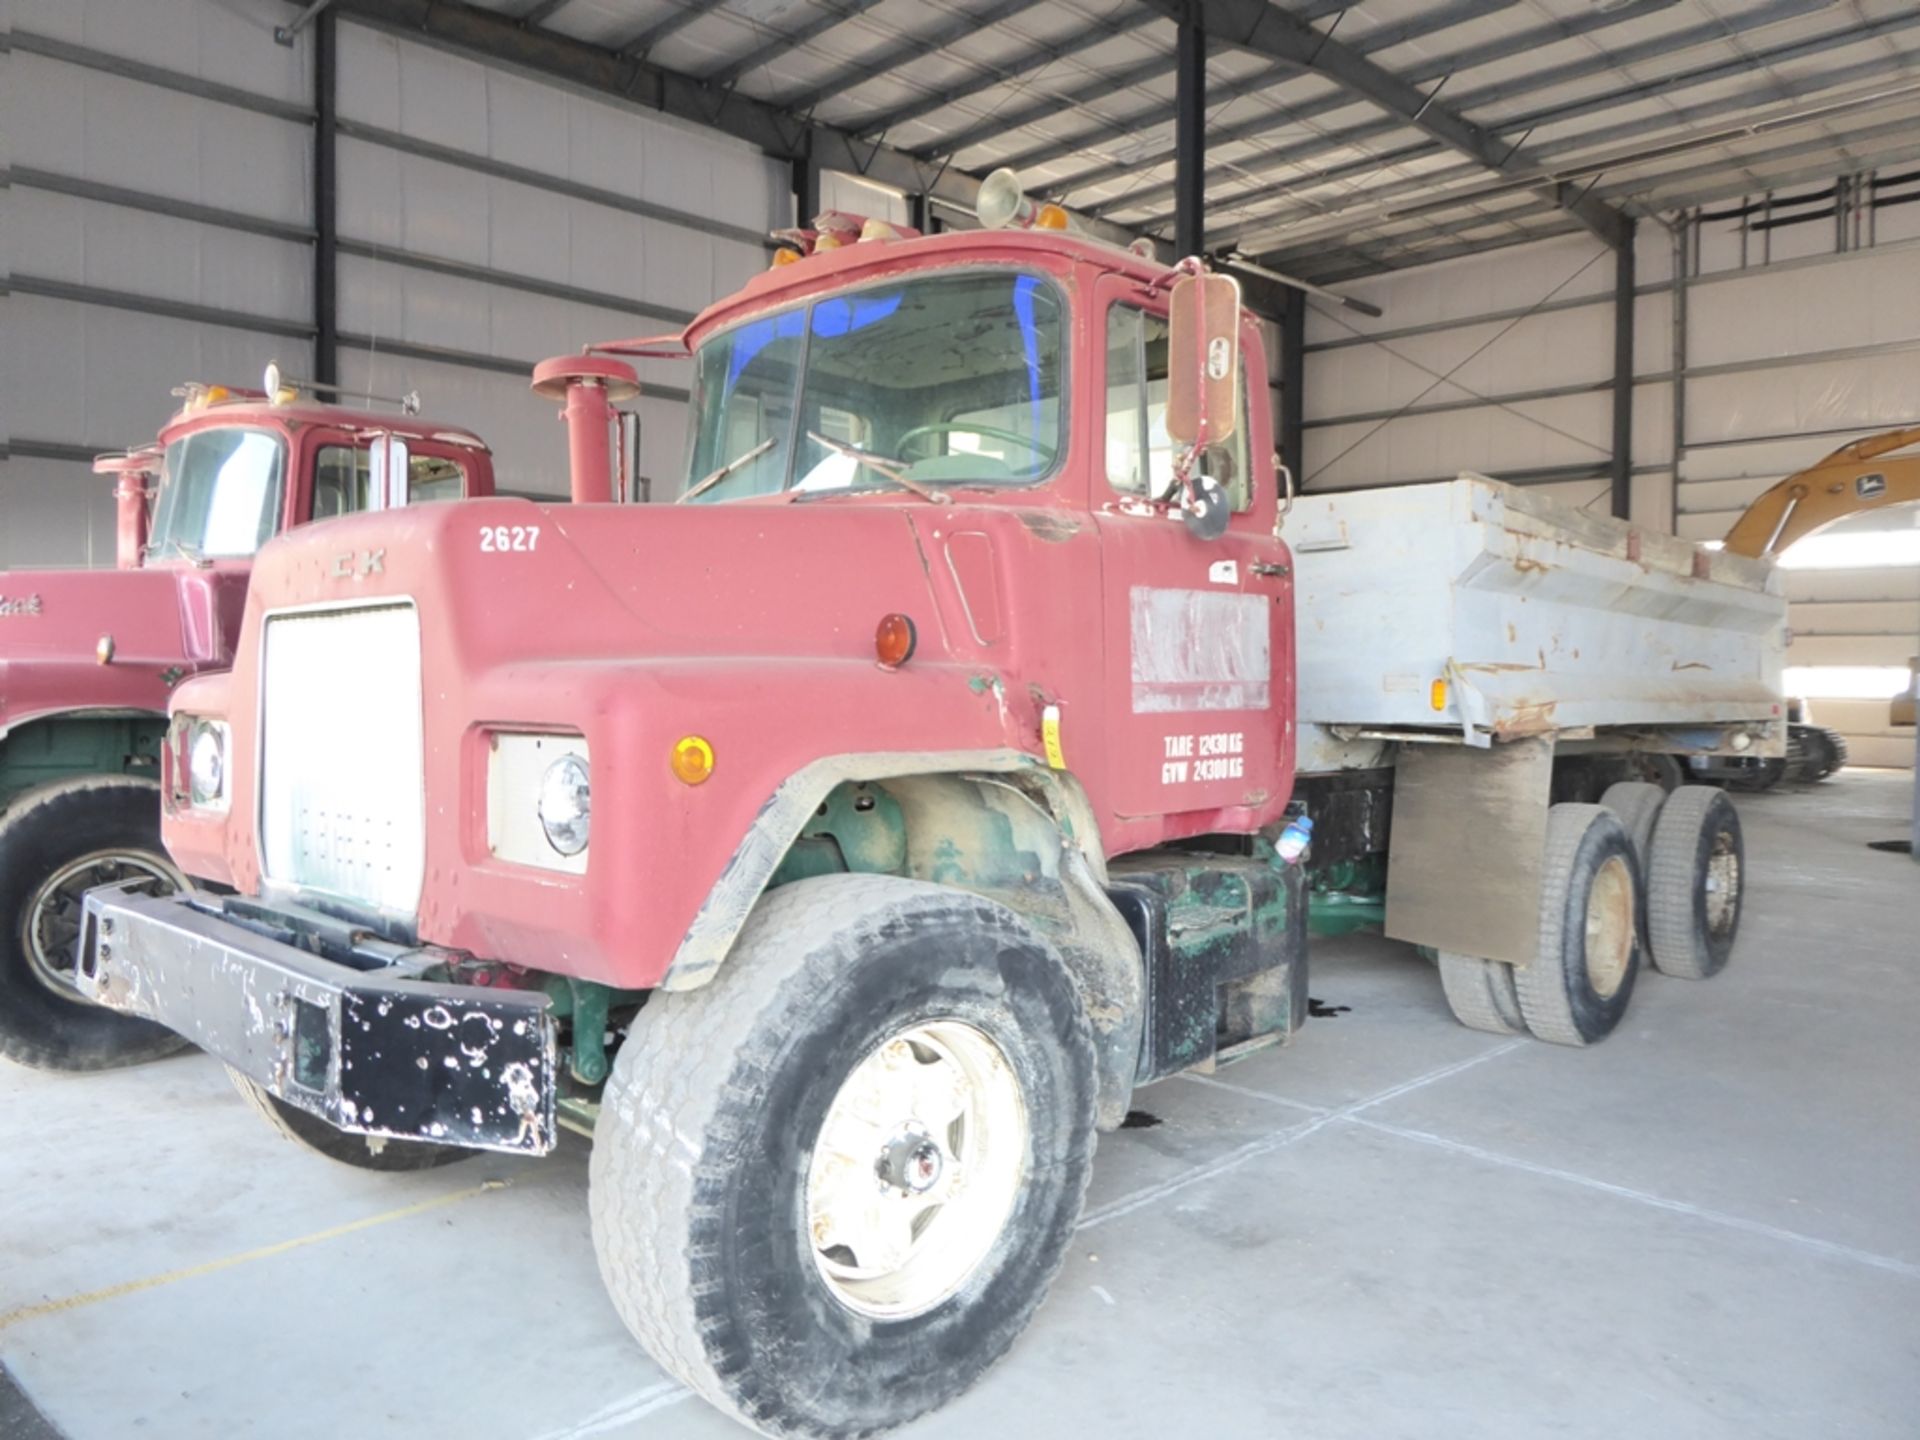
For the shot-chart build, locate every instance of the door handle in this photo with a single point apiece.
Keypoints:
(1271, 568)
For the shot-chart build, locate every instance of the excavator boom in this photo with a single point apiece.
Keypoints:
(1852, 479)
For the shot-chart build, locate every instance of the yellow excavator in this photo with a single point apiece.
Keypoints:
(1856, 477)
(1864, 475)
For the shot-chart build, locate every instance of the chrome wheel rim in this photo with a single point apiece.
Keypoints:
(50, 924)
(916, 1169)
(1722, 884)
(1610, 924)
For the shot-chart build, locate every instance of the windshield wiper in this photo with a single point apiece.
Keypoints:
(707, 482)
(894, 470)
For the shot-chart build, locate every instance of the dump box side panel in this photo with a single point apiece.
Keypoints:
(1539, 617)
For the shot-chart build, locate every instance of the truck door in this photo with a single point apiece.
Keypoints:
(1198, 642)
(339, 478)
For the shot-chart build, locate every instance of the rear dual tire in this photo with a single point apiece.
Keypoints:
(1481, 995)
(1692, 860)
(1696, 870)
(1576, 988)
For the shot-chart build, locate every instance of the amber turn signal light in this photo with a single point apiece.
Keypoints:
(1437, 695)
(893, 642)
(692, 760)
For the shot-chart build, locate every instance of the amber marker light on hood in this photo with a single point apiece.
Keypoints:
(893, 642)
(692, 760)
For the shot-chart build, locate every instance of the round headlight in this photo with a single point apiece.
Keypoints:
(566, 804)
(207, 764)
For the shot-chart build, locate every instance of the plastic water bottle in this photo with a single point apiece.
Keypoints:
(1294, 839)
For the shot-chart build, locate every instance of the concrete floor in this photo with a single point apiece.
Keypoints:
(1398, 1227)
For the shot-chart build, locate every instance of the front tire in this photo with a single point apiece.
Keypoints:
(749, 1239)
(362, 1152)
(56, 844)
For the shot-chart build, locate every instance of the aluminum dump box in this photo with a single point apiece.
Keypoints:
(1540, 619)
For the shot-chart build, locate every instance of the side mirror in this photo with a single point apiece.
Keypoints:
(386, 473)
(1203, 358)
(627, 480)
(1208, 510)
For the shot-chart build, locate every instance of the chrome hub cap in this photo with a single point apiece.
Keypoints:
(1610, 926)
(916, 1169)
(912, 1162)
(50, 925)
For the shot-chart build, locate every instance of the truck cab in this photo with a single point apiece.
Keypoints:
(846, 841)
(89, 660)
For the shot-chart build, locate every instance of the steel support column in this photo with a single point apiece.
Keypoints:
(806, 189)
(1682, 231)
(1293, 376)
(1621, 470)
(1189, 136)
(326, 216)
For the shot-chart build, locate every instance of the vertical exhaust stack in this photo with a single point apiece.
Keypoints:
(590, 387)
(131, 491)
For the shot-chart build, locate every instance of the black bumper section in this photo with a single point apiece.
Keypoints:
(344, 1031)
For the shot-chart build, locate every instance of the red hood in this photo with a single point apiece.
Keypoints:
(165, 623)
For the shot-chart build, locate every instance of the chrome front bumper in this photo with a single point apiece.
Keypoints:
(328, 1019)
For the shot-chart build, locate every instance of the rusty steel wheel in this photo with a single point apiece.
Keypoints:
(1576, 989)
(50, 923)
(1696, 883)
(56, 843)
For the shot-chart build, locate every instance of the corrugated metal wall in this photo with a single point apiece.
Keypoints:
(1502, 363)
(1797, 353)
(1412, 395)
(159, 229)
(495, 220)
(112, 304)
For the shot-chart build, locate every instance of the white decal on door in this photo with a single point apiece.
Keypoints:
(1220, 755)
(1199, 650)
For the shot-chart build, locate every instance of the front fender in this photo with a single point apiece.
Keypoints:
(998, 823)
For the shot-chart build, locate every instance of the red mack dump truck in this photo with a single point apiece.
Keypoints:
(89, 658)
(841, 846)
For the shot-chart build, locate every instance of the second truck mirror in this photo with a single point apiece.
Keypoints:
(387, 473)
(1203, 357)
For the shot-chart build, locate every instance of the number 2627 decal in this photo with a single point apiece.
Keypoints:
(509, 537)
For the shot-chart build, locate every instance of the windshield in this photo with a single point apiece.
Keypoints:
(957, 378)
(219, 494)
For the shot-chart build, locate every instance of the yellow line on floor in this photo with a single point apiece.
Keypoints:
(264, 1252)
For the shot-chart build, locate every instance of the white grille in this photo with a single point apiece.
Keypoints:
(342, 803)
